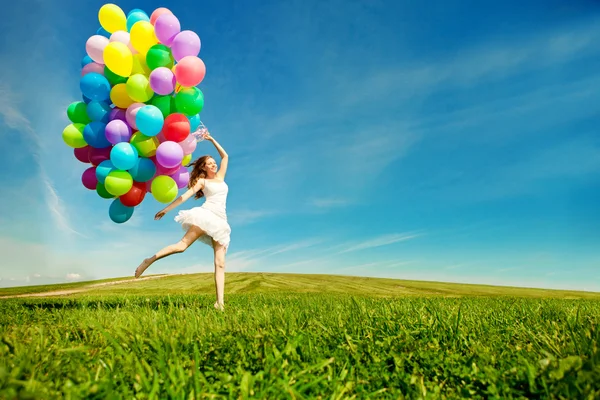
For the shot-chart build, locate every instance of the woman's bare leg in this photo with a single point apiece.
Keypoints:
(190, 237)
(219, 274)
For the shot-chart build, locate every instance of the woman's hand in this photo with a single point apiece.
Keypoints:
(206, 136)
(160, 214)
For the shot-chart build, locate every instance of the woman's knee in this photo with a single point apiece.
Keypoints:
(181, 246)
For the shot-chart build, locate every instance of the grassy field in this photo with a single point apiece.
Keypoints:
(301, 336)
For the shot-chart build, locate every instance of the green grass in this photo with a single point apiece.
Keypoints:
(151, 339)
(13, 291)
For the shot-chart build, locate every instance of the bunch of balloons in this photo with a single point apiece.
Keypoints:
(140, 108)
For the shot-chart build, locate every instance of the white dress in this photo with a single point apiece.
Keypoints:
(211, 216)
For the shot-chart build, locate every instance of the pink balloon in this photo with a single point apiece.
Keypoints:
(131, 113)
(94, 48)
(181, 177)
(122, 37)
(161, 138)
(188, 144)
(186, 43)
(157, 13)
(83, 154)
(88, 178)
(166, 27)
(160, 170)
(190, 71)
(93, 67)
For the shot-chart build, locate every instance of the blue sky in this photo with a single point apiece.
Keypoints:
(446, 140)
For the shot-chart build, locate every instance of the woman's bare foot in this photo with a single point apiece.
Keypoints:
(142, 267)
(220, 307)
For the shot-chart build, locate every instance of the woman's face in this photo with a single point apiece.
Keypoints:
(211, 165)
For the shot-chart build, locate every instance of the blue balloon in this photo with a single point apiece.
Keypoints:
(136, 16)
(85, 99)
(149, 120)
(98, 111)
(95, 86)
(103, 169)
(119, 213)
(194, 122)
(93, 133)
(124, 156)
(136, 10)
(86, 60)
(143, 171)
(103, 32)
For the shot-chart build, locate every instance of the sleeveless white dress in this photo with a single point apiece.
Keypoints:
(211, 216)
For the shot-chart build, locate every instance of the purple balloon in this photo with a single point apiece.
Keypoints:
(181, 177)
(162, 81)
(117, 113)
(186, 43)
(166, 27)
(132, 112)
(188, 144)
(117, 131)
(92, 67)
(169, 154)
(88, 178)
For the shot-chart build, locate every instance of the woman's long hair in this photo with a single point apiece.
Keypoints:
(198, 173)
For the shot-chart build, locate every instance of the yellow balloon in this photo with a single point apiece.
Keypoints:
(112, 18)
(119, 96)
(140, 66)
(118, 58)
(142, 36)
(186, 160)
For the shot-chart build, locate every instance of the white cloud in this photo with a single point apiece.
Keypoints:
(379, 241)
(73, 276)
(329, 202)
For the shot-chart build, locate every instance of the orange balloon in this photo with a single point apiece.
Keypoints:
(157, 13)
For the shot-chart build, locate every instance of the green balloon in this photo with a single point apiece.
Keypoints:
(164, 189)
(166, 104)
(159, 55)
(73, 135)
(138, 88)
(77, 113)
(101, 190)
(113, 78)
(189, 101)
(118, 182)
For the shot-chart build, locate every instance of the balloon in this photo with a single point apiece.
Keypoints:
(98, 111)
(189, 101)
(118, 212)
(88, 178)
(136, 16)
(149, 120)
(188, 145)
(112, 18)
(102, 192)
(166, 104)
(94, 47)
(164, 189)
(144, 170)
(159, 55)
(103, 169)
(77, 113)
(186, 160)
(122, 37)
(73, 135)
(124, 156)
(82, 154)
(95, 86)
(117, 113)
(190, 71)
(99, 155)
(176, 127)
(142, 36)
(139, 65)
(135, 195)
(131, 113)
(186, 43)
(157, 13)
(94, 135)
(162, 81)
(119, 96)
(169, 154)
(145, 145)
(138, 88)
(117, 131)
(118, 182)
(92, 67)
(118, 58)
(194, 122)
(113, 78)
(160, 170)
(167, 26)
(181, 177)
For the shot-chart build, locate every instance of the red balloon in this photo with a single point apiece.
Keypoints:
(135, 195)
(99, 155)
(82, 154)
(176, 127)
(190, 71)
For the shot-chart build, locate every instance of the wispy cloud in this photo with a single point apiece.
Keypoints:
(245, 217)
(329, 202)
(379, 241)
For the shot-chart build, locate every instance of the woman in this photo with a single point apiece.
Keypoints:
(207, 223)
